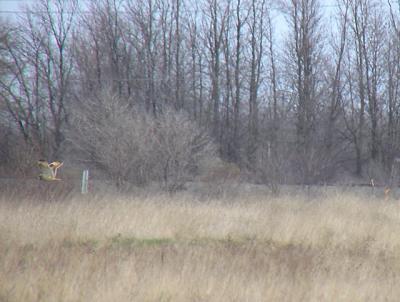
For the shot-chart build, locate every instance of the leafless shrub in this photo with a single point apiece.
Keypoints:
(376, 171)
(132, 146)
(180, 146)
(17, 157)
(218, 171)
(219, 177)
(270, 172)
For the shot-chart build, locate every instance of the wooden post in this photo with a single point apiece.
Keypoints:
(372, 183)
(85, 181)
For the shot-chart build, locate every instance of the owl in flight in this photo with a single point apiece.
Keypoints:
(48, 171)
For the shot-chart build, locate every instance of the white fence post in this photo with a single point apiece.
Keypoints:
(85, 181)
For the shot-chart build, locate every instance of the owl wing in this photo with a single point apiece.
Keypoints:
(54, 166)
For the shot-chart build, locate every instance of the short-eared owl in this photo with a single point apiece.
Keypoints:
(48, 170)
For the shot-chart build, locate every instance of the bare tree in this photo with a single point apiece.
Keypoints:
(304, 56)
(333, 151)
(240, 19)
(257, 37)
(196, 54)
(215, 16)
(373, 54)
(292, 111)
(392, 65)
(178, 37)
(58, 27)
(143, 15)
(39, 66)
(364, 79)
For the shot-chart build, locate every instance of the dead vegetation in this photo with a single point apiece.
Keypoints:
(162, 248)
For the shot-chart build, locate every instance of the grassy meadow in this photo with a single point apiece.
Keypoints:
(341, 247)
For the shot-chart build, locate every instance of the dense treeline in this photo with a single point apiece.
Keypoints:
(306, 107)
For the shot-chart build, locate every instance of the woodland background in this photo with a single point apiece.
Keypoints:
(153, 90)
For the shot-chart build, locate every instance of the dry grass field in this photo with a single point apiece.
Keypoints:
(161, 248)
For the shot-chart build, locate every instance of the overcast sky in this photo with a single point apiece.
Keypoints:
(12, 5)
(9, 9)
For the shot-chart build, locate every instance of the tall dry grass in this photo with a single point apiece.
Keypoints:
(163, 248)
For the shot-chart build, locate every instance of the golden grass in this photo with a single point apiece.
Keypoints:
(161, 248)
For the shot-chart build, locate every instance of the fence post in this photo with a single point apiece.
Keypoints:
(85, 181)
